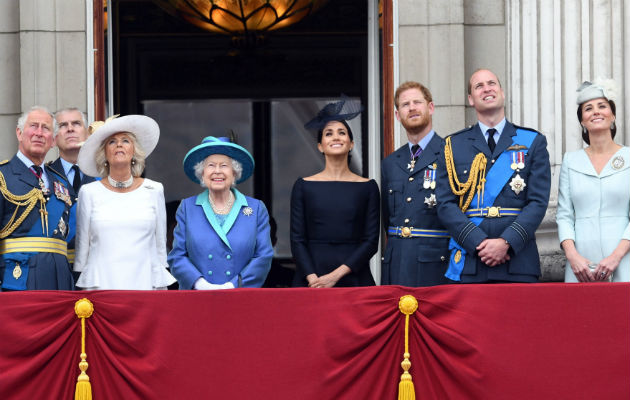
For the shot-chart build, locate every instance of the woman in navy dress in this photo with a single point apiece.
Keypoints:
(335, 217)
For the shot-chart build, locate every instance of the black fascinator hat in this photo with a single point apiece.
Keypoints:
(342, 110)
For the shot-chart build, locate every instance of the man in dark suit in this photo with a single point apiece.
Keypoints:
(70, 133)
(417, 243)
(493, 191)
(34, 209)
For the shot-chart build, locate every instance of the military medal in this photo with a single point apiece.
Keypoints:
(514, 164)
(521, 160)
(429, 178)
(62, 227)
(17, 271)
(618, 163)
(430, 201)
(62, 193)
(517, 184)
(414, 157)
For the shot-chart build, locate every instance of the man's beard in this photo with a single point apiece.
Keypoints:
(417, 126)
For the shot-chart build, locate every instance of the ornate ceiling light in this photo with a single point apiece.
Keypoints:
(241, 17)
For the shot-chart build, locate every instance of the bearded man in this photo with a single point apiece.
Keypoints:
(417, 243)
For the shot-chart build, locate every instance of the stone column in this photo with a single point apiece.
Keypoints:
(42, 60)
(9, 76)
(431, 48)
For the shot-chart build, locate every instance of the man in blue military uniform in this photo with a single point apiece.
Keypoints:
(70, 133)
(417, 243)
(493, 190)
(34, 210)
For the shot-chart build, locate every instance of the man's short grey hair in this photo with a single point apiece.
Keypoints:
(22, 120)
(237, 167)
(70, 109)
(138, 160)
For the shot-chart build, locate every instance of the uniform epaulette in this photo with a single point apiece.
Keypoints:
(463, 130)
(4, 162)
(526, 128)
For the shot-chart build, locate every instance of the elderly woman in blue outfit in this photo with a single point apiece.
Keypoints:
(221, 240)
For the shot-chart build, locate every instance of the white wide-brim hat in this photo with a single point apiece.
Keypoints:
(145, 129)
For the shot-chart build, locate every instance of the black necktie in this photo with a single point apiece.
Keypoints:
(414, 149)
(38, 170)
(491, 143)
(76, 182)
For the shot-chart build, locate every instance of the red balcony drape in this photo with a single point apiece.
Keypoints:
(542, 341)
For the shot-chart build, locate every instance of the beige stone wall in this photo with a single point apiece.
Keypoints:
(42, 60)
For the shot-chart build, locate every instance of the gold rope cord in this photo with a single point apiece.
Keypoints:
(28, 200)
(476, 178)
(407, 305)
(84, 309)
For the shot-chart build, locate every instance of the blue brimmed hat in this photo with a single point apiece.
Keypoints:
(342, 110)
(218, 145)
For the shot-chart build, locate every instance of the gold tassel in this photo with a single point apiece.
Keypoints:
(407, 305)
(84, 309)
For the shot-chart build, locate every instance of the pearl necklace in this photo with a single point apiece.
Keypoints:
(120, 184)
(225, 209)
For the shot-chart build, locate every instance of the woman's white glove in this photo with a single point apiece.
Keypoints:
(203, 284)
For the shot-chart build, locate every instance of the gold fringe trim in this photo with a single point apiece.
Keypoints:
(476, 178)
(84, 309)
(28, 200)
(407, 305)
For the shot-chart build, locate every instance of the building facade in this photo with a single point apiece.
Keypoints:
(541, 51)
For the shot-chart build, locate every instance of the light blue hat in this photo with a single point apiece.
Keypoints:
(221, 145)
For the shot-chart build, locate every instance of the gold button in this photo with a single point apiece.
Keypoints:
(411, 179)
(492, 161)
(408, 199)
(465, 171)
(390, 190)
(406, 220)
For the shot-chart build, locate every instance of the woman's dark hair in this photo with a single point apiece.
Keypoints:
(613, 131)
(321, 131)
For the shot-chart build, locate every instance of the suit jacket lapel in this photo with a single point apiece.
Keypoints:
(202, 200)
(429, 154)
(506, 139)
(403, 157)
(479, 141)
(23, 173)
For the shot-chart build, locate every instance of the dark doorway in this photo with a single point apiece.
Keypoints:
(196, 83)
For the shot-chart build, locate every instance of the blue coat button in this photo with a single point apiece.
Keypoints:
(209, 272)
(228, 257)
(209, 256)
(228, 273)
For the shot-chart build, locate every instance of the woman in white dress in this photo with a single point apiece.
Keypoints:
(594, 201)
(121, 219)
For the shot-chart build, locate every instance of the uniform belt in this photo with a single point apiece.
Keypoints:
(70, 256)
(35, 245)
(409, 232)
(493, 212)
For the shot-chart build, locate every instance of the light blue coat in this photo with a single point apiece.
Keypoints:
(239, 252)
(594, 210)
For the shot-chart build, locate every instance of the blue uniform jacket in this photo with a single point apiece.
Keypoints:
(45, 270)
(72, 222)
(519, 231)
(239, 252)
(420, 261)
